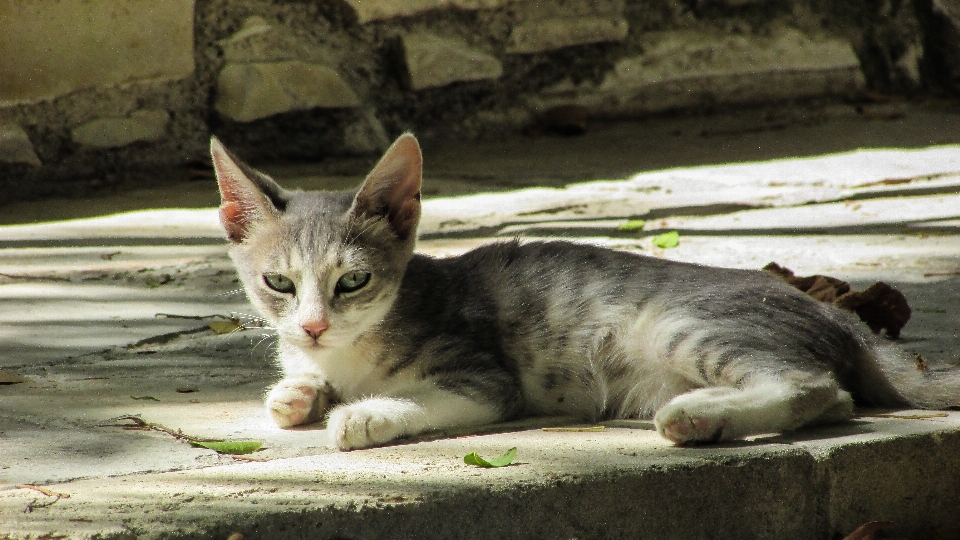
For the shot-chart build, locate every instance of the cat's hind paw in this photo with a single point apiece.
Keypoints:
(682, 428)
(367, 423)
(684, 421)
(297, 400)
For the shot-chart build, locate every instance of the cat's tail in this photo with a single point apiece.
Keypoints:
(891, 376)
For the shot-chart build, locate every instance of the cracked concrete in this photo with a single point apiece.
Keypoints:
(111, 316)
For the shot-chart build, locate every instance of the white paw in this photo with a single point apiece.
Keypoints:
(367, 423)
(297, 400)
(688, 420)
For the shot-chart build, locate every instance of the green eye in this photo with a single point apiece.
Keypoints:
(279, 283)
(352, 281)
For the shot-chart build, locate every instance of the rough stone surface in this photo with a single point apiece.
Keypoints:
(53, 47)
(15, 146)
(433, 61)
(685, 68)
(372, 10)
(367, 135)
(110, 316)
(556, 33)
(250, 91)
(143, 125)
(260, 41)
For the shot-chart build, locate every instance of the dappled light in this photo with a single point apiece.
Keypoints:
(140, 315)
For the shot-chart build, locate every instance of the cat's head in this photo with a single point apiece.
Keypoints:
(322, 267)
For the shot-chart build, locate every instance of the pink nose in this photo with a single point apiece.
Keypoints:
(315, 328)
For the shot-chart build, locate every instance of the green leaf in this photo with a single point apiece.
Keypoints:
(501, 461)
(632, 225)
(667, 240)
(230, 447)
(223, 327)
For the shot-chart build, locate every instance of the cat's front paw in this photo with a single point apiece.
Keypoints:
(298, 400)
(367, 423)
(682, 421)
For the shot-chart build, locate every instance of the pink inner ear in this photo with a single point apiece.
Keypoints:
(234, 220)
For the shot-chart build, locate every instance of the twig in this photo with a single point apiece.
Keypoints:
(141, 424)
(247, 458)
(37, 278)
(905, 416)
(35, 504)
(46, 491)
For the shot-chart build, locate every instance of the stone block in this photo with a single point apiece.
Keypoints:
(15, 146)
(255, 90)
(555, 33)
(688, 68)
(434, 61)
(366, 136)
(112, 132)
(373, 10)
(54, 47)
(259, 41)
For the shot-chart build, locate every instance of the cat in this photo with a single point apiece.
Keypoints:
(384, 343)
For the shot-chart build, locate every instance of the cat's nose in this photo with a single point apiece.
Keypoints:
(315, 328)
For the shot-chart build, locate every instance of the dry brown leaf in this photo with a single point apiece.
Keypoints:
(867, 531)
(880, 306)
(823, 288)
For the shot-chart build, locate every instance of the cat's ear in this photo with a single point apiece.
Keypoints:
(247, 196)
(392, 189)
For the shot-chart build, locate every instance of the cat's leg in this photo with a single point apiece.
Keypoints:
(761, 404)
(377, 420)
(299, 399)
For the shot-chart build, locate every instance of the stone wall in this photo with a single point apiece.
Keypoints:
(98, 91)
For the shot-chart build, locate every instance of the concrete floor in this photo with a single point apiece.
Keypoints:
(111, 316)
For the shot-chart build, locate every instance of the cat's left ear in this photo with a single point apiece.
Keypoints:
(247, 196)
(392, 189)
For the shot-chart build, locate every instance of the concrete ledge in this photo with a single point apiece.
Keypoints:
(623, 482)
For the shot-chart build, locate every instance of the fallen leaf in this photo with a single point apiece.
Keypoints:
(224, 327)
(867, 531)
(632, 225)
(822, 288)
(880, 306)
(667, 240)
(574, 429)
(148, 398)
(230, 447)
(921, 363)
(11, 378)
(500, 461)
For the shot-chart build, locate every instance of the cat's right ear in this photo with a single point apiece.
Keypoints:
(246, 195)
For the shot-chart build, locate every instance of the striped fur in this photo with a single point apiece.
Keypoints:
(532, 328)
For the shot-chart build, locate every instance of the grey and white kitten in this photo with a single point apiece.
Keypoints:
(385, 343)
